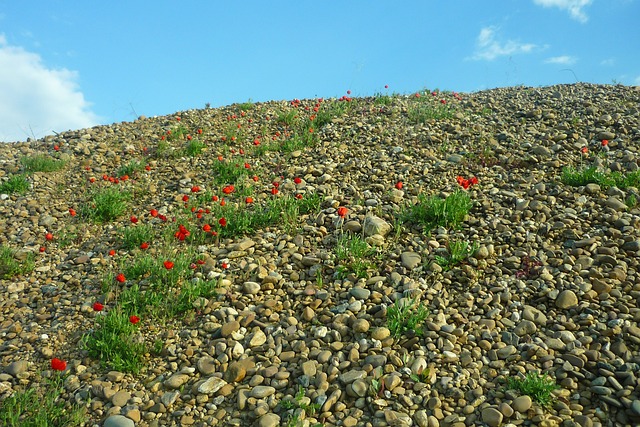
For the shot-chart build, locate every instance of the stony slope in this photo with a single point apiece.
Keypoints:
(552, 285)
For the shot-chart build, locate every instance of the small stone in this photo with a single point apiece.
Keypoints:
(361, 325)
(118, 421)
(374, 225)
(380, 333)
(168, 398)
(522, 403)
(615, 203)
(120, 398)
(268, 420)
(566, 299)
(492, 417)
(251, 288)
(635, 406)
(229, 328)
(360, 293)
(257, 339)
(206, 365)
(525, 327)
(176, 381)
(262, 391)
(17, 367)
(211, 385)
(410, 259)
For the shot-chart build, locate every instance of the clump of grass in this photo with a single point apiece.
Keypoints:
(458, 251)
(404, 316)
(246, 106)
(226, 172)
(130, 168)
(41, 405)
(15, 184)
(11, 267)
(194, 148)
(425, 108)
(106, 205)
(431, 212)
(539, 387)
(114, 342)
(591, 175)
(300, 405)
(41, 163)
(353, 252)
(134, 236)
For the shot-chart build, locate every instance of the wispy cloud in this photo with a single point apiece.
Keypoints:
(37, 100)
(636, 82)
(488, 48)
(609, 62)
(561, 60)
(574, 7)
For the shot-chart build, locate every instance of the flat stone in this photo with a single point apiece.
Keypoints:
(211, 385)
(522, 403)
(257, 339)
(410, 259)
(352, 375)
(492, 417)
(566, 299)
(375, 225)
(206, 365)
(17, 367)
(262, 391)
(250, 288)
(361, 325)
(176, 381)
(118, 421)
(268, 420)
(229, 328)
(120, 398)
(360, 293)
(525, 327)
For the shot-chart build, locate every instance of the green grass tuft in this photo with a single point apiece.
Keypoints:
(404, 316)
(15, 184)
(41, 163)
(539, 387)
(106, 205)
(431, 212)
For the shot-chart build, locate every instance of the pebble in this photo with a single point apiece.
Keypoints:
(492, 417)
(118, 421)
(522, 403)
(566, 299)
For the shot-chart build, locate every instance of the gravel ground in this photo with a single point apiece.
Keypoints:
(295, 334)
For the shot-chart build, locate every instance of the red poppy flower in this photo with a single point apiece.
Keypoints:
(225, 265)
(199, 131)
(255, 178)
(168, 265)
(153, 213)
(124, 177)
(72, 212)
(241, 151)
(185, 198)
(58, 365)
(299, 196)
(112, 252)
(473, 180)
(189, 137)
(342, 211)
(148, 168)
(220, 158)
(144, 245)
(274, 191)
(399, 185)
(48, 236)
(97, 306)
(200, 261)
(92, 180)
(248, 200)
(247, 166)
(120, 278)
(195, 189)
(134, 219)
(134, 319)
(214, 198)
(222, 221)
(584, 150)
(297, 180)
(605, 142)
(42, 248)
(178, 118)
(206, 228)
(256, 142)
(182, 232)
(228, 189)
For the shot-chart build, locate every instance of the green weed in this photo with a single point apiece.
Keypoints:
(539, 387)
(41, 406)
(129, 169)
(431, 212)
(10, 266)
(106, 205)
(41, 163)
(15, 184)
(590, 175)
(458, 251)
(404, 316)
(353, 252)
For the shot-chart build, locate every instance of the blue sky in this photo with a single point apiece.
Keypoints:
(73, 64)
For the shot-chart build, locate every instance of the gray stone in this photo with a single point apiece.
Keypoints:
(566, 299)
(410, 260)
(268, 420)
(262, 391)
(522, 404)
(17, 367)
(360, 293)
(492, 417)
(211, 385)
(374, 225)
(118, 421)
(525, 327)
(176, 381)
(251, 288)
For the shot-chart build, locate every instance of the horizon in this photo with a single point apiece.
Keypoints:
(60, 72)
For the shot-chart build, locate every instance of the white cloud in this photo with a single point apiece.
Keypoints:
(636, 82)
(574, 7)
(609, 62)
(561, 60)
(488, 48)
(37, 100)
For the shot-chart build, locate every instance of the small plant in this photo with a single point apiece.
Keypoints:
(194, 148)
(422, 376)
(129, 169)
(41, 405)
(299, 402)
(246, 106)
(631, 201)
(10, 266)
(15, 184)
(528, 265)
(41, 163)
(353, 252)
(133, 237)
(106, 205)
(432, 212)
(584, 176)
(114, 341)
(458, 252)
(539, 387)
(404, 316)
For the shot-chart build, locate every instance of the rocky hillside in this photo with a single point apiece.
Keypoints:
(436, 259)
